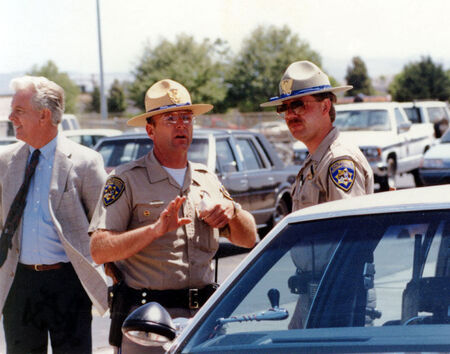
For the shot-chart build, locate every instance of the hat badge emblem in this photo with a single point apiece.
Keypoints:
(174, 96)
(286, 86)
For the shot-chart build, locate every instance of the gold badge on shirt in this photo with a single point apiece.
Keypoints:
(225, 193)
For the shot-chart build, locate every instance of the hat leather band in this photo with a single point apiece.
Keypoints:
(299, 92)
(169, 106)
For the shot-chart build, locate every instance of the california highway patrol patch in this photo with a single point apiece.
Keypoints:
(342, 173)
(113, 190)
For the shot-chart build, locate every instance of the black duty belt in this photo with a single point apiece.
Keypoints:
(183, 298)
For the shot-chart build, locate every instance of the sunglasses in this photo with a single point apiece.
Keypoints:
(188, 119)
(296, 106)
(172, 120)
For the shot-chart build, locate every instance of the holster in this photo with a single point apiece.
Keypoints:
(119, 307)
(121, 299)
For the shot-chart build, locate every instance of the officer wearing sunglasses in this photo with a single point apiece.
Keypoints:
(334, 168)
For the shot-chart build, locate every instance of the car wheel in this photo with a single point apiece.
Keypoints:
(417, 180)
(281, 210)
(388, 182)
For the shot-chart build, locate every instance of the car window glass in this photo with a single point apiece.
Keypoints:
(399, 118)
(65, 124)
(363, 120)
(437, 114)
(413, 114)
(252, 159)
(446, 137)
(225, 158)
(116, 152)
(373, 271)
(198, 151)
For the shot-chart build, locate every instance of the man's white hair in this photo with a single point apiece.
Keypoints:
(47, 94)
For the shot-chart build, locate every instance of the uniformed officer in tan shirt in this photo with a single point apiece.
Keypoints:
(335, 168)
(160, 216)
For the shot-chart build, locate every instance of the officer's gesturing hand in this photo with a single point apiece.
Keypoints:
(217, 215)
(169, 220)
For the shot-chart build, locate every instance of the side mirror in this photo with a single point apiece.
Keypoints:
(149, 325)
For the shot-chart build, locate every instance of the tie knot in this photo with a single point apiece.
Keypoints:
(35, 157)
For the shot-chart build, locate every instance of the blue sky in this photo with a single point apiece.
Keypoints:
(385, 33)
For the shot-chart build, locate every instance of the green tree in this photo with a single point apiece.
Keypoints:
(421, 80)
(256, 72)
(51, 72)
(198, 66)
(358, 77)
(95, 99)
(116, 98)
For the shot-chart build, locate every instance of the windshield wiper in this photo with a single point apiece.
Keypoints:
(273, 314)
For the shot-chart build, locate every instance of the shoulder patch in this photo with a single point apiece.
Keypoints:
(114, 188)
(342, 173)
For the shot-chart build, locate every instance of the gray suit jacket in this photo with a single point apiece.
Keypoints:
(77, 180)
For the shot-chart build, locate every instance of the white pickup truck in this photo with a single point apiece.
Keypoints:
(391, 143)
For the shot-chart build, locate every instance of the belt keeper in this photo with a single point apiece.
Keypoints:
(193, 299)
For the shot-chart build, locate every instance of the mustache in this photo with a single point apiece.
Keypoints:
(294, 121)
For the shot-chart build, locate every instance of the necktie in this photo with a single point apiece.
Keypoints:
(16, 210)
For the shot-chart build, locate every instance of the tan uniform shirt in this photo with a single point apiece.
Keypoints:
(135, 195)
(336, 170)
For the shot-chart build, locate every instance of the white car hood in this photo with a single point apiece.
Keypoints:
(439, 151)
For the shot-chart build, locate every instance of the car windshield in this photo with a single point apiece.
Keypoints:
(118, 151)
(379, 275)
(377, 120)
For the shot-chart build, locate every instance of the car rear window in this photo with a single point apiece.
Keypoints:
(375, 119)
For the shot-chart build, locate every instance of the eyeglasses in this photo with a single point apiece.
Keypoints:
(297, 106)
(173, 119)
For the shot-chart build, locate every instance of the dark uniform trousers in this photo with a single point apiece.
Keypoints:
(47, 302)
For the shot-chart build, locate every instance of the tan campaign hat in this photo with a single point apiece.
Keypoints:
(167, 96)
(303, 78)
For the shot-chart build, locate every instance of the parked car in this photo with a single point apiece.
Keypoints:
(300, 152)
(89, 137)
(434, 112)
(276, 130)
(245, 162)
(391, 143)
(435, 168)
(68, 122)
(7, 140)
(304, 288)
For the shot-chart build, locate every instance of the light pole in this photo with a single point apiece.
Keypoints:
(103, 106)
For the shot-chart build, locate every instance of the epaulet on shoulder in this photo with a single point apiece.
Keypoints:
(344, 151)
(199, 167)
(128, 166)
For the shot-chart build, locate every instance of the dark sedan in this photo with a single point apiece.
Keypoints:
(435, 168)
